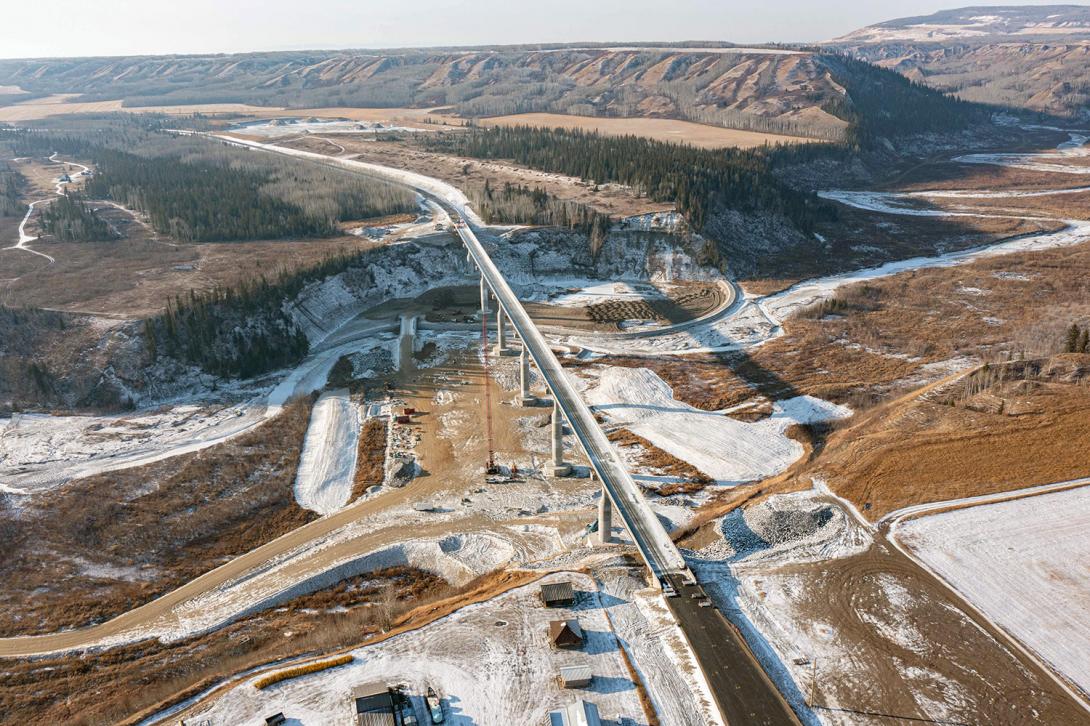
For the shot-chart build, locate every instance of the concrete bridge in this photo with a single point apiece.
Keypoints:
(619, 489)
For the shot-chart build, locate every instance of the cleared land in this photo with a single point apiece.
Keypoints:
(1024, 564)
(107, 543)
(471, 174)
(64, 104)
(659, 129)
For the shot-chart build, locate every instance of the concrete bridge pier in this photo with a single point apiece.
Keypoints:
(484, 311)
(559, 468)
(501, 333)
(524, 379)
(605, 519)
(406, 342)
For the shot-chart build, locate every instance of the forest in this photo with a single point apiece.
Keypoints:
(204, 201)
(699, 181)
(200, 202)
(238, 331)
(196, 190)
(881, 103)
(514, 204)
(70, 219)
(10, 182)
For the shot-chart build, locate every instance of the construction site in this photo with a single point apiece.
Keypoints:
(609, 471)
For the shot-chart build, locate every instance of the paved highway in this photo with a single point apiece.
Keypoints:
(743, 692)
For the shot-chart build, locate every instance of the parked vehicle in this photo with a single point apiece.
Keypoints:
(435, 706)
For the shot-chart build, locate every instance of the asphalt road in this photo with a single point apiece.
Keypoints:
(746, 696)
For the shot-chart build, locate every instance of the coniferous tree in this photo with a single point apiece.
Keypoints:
(1071, 344)
(698, 181)
(341, 374)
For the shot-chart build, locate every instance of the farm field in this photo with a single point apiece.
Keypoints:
(1024, 564)
(660, 129)
(64, 104)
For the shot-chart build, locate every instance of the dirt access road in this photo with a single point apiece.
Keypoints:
(450, 443)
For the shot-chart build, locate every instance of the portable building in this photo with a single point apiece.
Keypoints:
(558, 594)
(566, 633)
(576, 676)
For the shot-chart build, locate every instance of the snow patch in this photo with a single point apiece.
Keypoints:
(725, 449)
(1017, 561)
(327, 467)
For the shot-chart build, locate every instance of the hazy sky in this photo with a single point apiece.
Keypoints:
(128, 27)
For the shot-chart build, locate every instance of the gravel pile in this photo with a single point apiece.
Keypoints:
(792, 527)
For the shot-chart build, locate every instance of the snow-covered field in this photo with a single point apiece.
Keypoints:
(599, 292)
(1025, 564)
(724, 448)
(491, 662)
(276, 128)
(327, 467)
(1065, 160)
(38, 451)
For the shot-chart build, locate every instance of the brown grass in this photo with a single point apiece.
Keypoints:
(162, 524)
(371, 458)
(658, 129)
(116, 684)
(959, 440)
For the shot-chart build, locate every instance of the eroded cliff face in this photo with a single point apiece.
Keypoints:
(1030, 57)
(764, 90)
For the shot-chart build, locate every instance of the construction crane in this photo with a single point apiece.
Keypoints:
(490, 466)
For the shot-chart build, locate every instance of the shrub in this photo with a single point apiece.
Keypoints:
(302, 670)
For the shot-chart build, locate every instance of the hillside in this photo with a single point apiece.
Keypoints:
(979, 22)
(770, 90)
(1035, 57)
